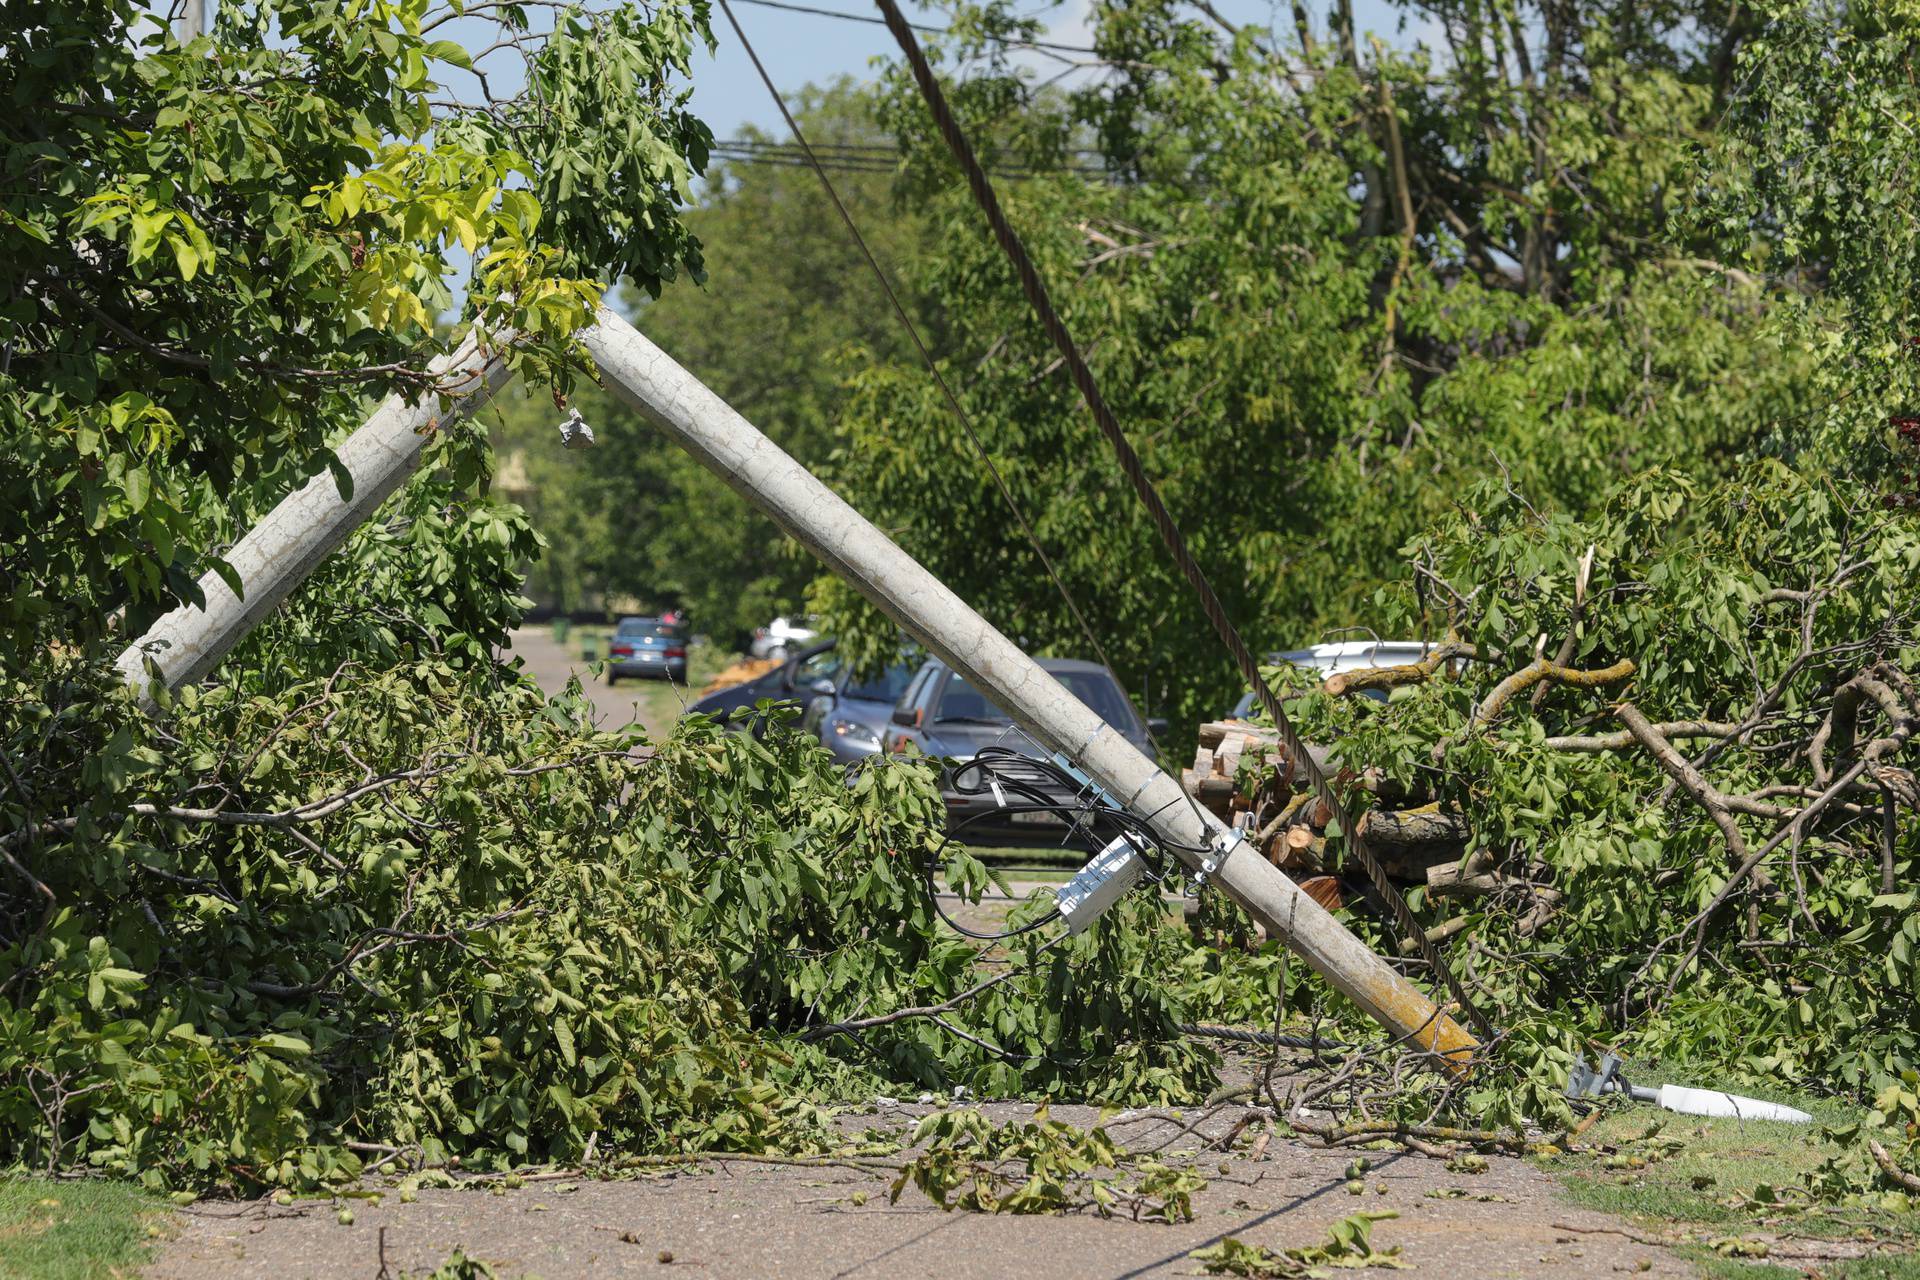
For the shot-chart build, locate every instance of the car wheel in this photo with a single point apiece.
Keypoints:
(612, 679)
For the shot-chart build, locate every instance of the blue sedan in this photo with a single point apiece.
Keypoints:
(647, 647)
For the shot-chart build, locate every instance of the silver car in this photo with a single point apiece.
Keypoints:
(849, 716)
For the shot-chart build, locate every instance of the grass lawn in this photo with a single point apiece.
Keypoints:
(74, 1230)
(1726, 1190)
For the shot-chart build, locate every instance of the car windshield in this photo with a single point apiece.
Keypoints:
(965, 704)
(887, 688)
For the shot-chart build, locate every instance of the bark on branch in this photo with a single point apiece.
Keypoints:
(1347, 682)
(1620, 741)
(1540, 669)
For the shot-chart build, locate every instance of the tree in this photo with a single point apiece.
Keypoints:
(1326, 287)
(1597, 363)
(367, 892)
(217, 252)
(787, 309)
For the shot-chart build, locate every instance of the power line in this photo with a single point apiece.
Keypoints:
(926, 356)
(1176, 543)
(1016, 41)
(874, 147)
(871, 160)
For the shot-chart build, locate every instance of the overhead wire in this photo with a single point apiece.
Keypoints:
(876, 160)
(1129, 461)
(926, 356)
(1041, 787)
(842, 15)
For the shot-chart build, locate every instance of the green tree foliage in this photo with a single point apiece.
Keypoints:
(367, 889)
(403, 907)
(215, 253)
(1602, 899)
(1707, 852)
(1326, 286)
(788, 306)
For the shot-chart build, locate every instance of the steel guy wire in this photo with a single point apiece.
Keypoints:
(1129, 461)
(926, 356)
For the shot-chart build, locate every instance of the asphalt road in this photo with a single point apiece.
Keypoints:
(744, 1219)
(654, 703)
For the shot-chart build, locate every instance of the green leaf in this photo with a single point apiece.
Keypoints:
(449, 51)
(138, 488)
(285, 1046)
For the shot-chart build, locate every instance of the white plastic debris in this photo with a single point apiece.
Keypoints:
(1712, 1102)
(574, 432)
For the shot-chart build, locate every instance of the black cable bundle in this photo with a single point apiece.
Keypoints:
(1023, 784)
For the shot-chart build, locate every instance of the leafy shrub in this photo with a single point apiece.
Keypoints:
(425, 908)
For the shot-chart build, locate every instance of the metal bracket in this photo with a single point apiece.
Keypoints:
(1088, 787)
(1222, 843)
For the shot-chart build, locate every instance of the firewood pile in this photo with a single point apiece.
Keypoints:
(1241, 773)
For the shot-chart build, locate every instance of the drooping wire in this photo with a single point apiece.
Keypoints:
(1043, 787)
(1176, 544)
(1022, 785)
(1018, 41)
(926, 357)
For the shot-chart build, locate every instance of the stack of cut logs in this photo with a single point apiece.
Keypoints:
(1417, 843)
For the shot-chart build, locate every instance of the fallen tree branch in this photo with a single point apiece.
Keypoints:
(1794, 829)
(1349, 682)
(1541, 669)
(1718, 804)
(1890, 1168)
(1620, 741)
(932, 1011)
(1841, 727)
(312, 811)
(1582, 577)
(1335, 1135)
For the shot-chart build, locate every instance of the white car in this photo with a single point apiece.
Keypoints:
(1341, 655)
(781, 637)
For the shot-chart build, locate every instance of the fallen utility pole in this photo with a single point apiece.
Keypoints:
(278, 553)
(276, 556)
(708, 428)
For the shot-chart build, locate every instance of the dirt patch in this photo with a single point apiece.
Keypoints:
(744, 1219)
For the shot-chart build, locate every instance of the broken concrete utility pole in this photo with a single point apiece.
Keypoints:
(705, 426)
(275, 557)
(278, 553)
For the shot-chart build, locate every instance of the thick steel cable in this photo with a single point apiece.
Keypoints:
(926, 356)
(1176, 543)
(1247, 1035)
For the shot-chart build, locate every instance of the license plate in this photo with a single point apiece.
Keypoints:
(1039, 818)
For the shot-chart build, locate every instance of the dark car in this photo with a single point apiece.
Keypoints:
(942, 714)
(647, 647)
(735, 706)
(849, 715)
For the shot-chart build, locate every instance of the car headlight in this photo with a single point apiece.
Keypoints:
(856, 734)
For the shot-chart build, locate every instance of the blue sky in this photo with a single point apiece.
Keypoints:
(800, 49)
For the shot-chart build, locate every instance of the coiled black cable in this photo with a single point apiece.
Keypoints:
(1023, 784)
